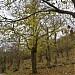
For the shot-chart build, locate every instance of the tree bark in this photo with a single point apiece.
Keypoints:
(56, 52)
(48, 57)
(67, 54)
(33, 60)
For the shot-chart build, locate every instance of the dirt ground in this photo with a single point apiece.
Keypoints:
(60, 69)
(63, 67)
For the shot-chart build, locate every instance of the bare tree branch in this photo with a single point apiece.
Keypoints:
(58, 10)
(50, 4)
(55, 9)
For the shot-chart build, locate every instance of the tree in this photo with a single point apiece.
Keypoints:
(48, 56)
(29, 16)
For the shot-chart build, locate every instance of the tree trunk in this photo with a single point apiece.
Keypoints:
(56, 52)
(3, 64)
(62, 53)
(33, 60)
(67, 54)
(40, 57)
(55, 59)
(48, 57)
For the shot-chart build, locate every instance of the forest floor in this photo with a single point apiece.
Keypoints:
(62, 69)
